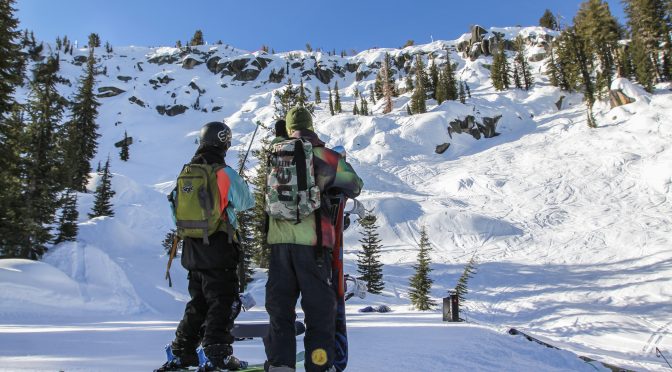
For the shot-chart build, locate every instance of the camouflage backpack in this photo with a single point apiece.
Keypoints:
(196, 201)
(291, 192)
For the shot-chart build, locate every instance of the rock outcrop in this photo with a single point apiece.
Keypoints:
(106, 92)
(618, 98)
(171, 110)
(486, 127)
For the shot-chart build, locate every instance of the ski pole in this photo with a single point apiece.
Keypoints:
(660, 354)
(242, 164)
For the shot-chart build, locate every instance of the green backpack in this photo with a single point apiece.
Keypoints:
(196, 202)
(291, 192)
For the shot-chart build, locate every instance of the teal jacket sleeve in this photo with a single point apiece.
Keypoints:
(240, 196)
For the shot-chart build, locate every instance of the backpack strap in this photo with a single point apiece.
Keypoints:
(301, 173)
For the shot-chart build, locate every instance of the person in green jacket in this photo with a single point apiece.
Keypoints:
(300, 262)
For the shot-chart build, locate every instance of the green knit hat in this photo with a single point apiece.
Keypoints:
(298, 118)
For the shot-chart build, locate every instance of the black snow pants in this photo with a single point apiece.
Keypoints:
(213, 287)
(293, 270)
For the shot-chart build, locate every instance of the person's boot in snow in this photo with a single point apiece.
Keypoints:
(221, 356)
(178, 358)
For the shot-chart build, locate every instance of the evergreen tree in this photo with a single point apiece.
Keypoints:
(516, 77)
(318, 99)
(369, 266)
(123, 153)
(331, 103)
(364, 106)
(522, 67)
(649, 22)
(409, 83)
(12, 137)
(552, 68)
(433, 78)
(67, 226)
(421, 283)
(419, 97)
(94, 40)
(625, 67)
(102, 206)
(548, 20)
(462, 93)
(466, 87)
(584, 66)
(462, 287)
(644, 66)
(284, 100)
(260, 247)
(441, 89)
(43, 158)
(449, 80)
(599, 30)
(197, 39)
(499, 71)
(245, 225)
(355, 108)
(372, 94)
(337, 100)
(387, 84)
(82, 130)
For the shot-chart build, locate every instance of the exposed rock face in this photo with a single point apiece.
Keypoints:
(440, 149)
(277, 77)
(195, 87)
(164, 59)
(171, 110)
(247, 75)
(487, 127)
(79, 60)
(190, 62)
(105, 92)
(137, 101)
(558, 103)
(213, 65)
(324, 76)
(125, 79)
(618, 98)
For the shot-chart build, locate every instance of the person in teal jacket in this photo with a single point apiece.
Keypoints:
(212, 266)
(300, 262)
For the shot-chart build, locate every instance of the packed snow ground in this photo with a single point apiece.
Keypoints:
(571, 227)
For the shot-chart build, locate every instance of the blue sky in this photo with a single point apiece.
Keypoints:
(282, 25)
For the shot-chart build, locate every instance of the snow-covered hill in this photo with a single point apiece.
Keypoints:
(570, 226)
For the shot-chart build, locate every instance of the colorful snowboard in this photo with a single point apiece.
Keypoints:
(338, 282)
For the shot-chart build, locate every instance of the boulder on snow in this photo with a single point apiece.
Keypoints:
(558, 103)
(79, 60)
(213, 65)
(440, 149)
(195, 87)
(171, 110)
(247, 75)
(164, 59)
(486, 127)
(105, 92)
(190, 62)
(618, 98)
(276, 77)
(324, 75)
(137, 101)
(537, 57)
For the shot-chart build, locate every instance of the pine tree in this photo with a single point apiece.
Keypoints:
(449, 80)
(355, 108)
(301, 98)
(197, 39)
(584, 66)
(94, 40)
(462, 94)
(13, 234)
(552, 68)
(44, 173)
(368, 259)
(548, 20)
(419, 97)
(123, 153)
(260, 247)
(466, 87)
(82, 130)
(245, 225)
(387, 84)
(433, 78)
(372, 94)
(285, 99)
(441, 89)
(331, 103)
(337, 100)
(408, 110)
(595, 24)
(102, 206)
(67, 225)
(318, 99)
(364, 106)
(462, 287)
(421, 283)
(522, 70)
(499, 71)
(649, 22)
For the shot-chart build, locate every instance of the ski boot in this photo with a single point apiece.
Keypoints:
(218, 357)
(177, 363)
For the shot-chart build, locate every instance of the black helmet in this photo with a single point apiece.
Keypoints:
(216, 134)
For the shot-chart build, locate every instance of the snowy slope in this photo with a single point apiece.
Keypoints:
(571, 226)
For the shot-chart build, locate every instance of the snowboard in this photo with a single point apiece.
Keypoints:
(338, 283)
(243, 330)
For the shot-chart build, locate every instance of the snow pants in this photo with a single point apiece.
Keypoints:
(300, 270)
(208, 317)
